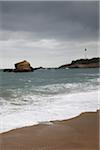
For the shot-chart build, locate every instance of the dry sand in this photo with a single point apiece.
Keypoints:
(79, 133)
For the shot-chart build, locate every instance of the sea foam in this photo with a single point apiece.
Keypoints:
(49, 108)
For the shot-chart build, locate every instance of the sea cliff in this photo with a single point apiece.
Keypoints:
(82, 63)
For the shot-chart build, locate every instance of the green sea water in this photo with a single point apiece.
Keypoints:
(45, 95)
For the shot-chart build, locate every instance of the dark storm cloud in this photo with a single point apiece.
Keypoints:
(47, 33)
(59, 20)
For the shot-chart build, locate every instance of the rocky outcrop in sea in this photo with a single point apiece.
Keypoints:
(23, 66)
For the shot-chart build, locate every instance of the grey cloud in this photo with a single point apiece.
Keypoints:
(47, 33)
(62, 20)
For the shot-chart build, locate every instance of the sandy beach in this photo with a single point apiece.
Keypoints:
(79, 133)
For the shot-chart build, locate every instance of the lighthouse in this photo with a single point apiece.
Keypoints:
(85, 53)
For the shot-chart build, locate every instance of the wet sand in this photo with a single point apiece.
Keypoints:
(79, 133)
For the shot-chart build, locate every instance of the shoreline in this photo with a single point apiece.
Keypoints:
(28, 117)
(48, 122)
(78, 133)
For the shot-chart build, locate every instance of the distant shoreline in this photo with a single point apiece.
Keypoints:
(83, 63)
(25, 66)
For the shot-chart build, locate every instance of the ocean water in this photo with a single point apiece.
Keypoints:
(46, 95)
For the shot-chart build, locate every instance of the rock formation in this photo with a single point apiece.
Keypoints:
(23, 66)
(83, 63)
(8, 70)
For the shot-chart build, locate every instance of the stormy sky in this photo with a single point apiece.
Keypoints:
(47, 34)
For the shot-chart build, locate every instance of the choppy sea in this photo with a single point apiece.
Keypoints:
(46, 95)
